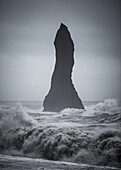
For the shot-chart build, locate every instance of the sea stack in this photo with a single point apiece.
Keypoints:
(62, 93)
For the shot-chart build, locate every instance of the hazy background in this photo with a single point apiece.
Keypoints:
(27, 54)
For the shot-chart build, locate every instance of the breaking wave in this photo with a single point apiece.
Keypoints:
(75, 135)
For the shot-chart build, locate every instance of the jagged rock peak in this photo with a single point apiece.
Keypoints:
(63, 26)
(63, 36)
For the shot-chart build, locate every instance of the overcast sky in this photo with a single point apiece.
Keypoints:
(27, 54)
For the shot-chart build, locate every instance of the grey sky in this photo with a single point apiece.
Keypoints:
(27, 54)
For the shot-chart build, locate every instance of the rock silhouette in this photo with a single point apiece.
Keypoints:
(62, 93)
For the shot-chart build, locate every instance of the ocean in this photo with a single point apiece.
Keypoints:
(70, 139)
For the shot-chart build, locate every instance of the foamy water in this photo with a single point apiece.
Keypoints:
(91, 136)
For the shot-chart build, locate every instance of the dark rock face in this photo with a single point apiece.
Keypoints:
(62, 93)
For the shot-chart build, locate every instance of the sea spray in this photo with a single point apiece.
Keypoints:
(15, 116)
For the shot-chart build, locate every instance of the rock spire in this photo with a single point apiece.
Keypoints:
(62, 93)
